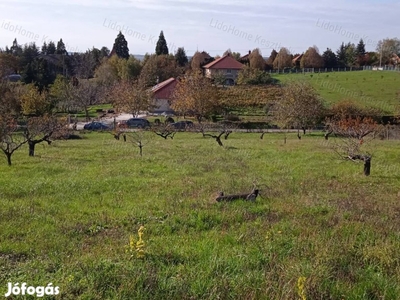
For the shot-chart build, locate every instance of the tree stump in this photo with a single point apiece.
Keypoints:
(248, 197)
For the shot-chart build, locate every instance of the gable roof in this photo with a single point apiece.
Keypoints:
(224, 62)
(165, 89)
(246, 56)
(205, 55)
(162, 85)
(298, 57)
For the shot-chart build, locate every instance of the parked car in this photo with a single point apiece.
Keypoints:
(134, 123)
(96, 126)
(182, 125)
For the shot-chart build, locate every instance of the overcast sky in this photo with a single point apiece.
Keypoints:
(210, 25)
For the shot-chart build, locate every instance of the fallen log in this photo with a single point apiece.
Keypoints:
(248, 197)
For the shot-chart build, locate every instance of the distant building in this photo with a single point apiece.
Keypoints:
(296, 60)
(245, 59)
(162, 94)
(226, 66)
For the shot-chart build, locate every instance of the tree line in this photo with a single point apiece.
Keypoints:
(55, 81)
(41, 65)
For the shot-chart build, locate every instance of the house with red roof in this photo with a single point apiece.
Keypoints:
(226, 66)
(245, 59)
(296, 60)
(162, 94)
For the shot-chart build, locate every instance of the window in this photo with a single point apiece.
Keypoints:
(229, 71)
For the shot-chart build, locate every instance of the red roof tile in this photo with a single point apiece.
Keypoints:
(161, 85)
(298, 57)
(164, 89)
(224, 62)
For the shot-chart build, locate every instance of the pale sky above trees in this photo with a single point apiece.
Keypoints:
(208, 25)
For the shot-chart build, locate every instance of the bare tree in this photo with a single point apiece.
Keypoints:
(300, 106)
(138, 138)
(10, 140)
(386, 49)
(43, 129)
(164, 130)
(353, 133)
(84, 94)
(206, 131)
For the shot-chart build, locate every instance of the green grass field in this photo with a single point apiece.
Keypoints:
(67, 214)
(380, 89)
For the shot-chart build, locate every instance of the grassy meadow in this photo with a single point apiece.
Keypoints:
(67, 215)
(379, 89)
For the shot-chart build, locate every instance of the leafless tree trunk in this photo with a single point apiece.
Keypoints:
(248, 196)
(164, 131)
(354, 133)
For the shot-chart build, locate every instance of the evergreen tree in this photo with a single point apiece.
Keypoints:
(16, 49)
(360, 50)
(39, 73)
(28, 64)
(61, 48)
(44, 48)
(28, 73)
(29, 53)
(121, 46)
(180, 57)
(161, 47)
(330, 59)
(341, 56)
(51, 48)
(361, 53)
(44, 76)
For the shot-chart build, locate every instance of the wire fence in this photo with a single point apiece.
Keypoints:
(328, 70)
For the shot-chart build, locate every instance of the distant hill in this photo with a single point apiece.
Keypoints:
(380, 89)
(141, 57)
